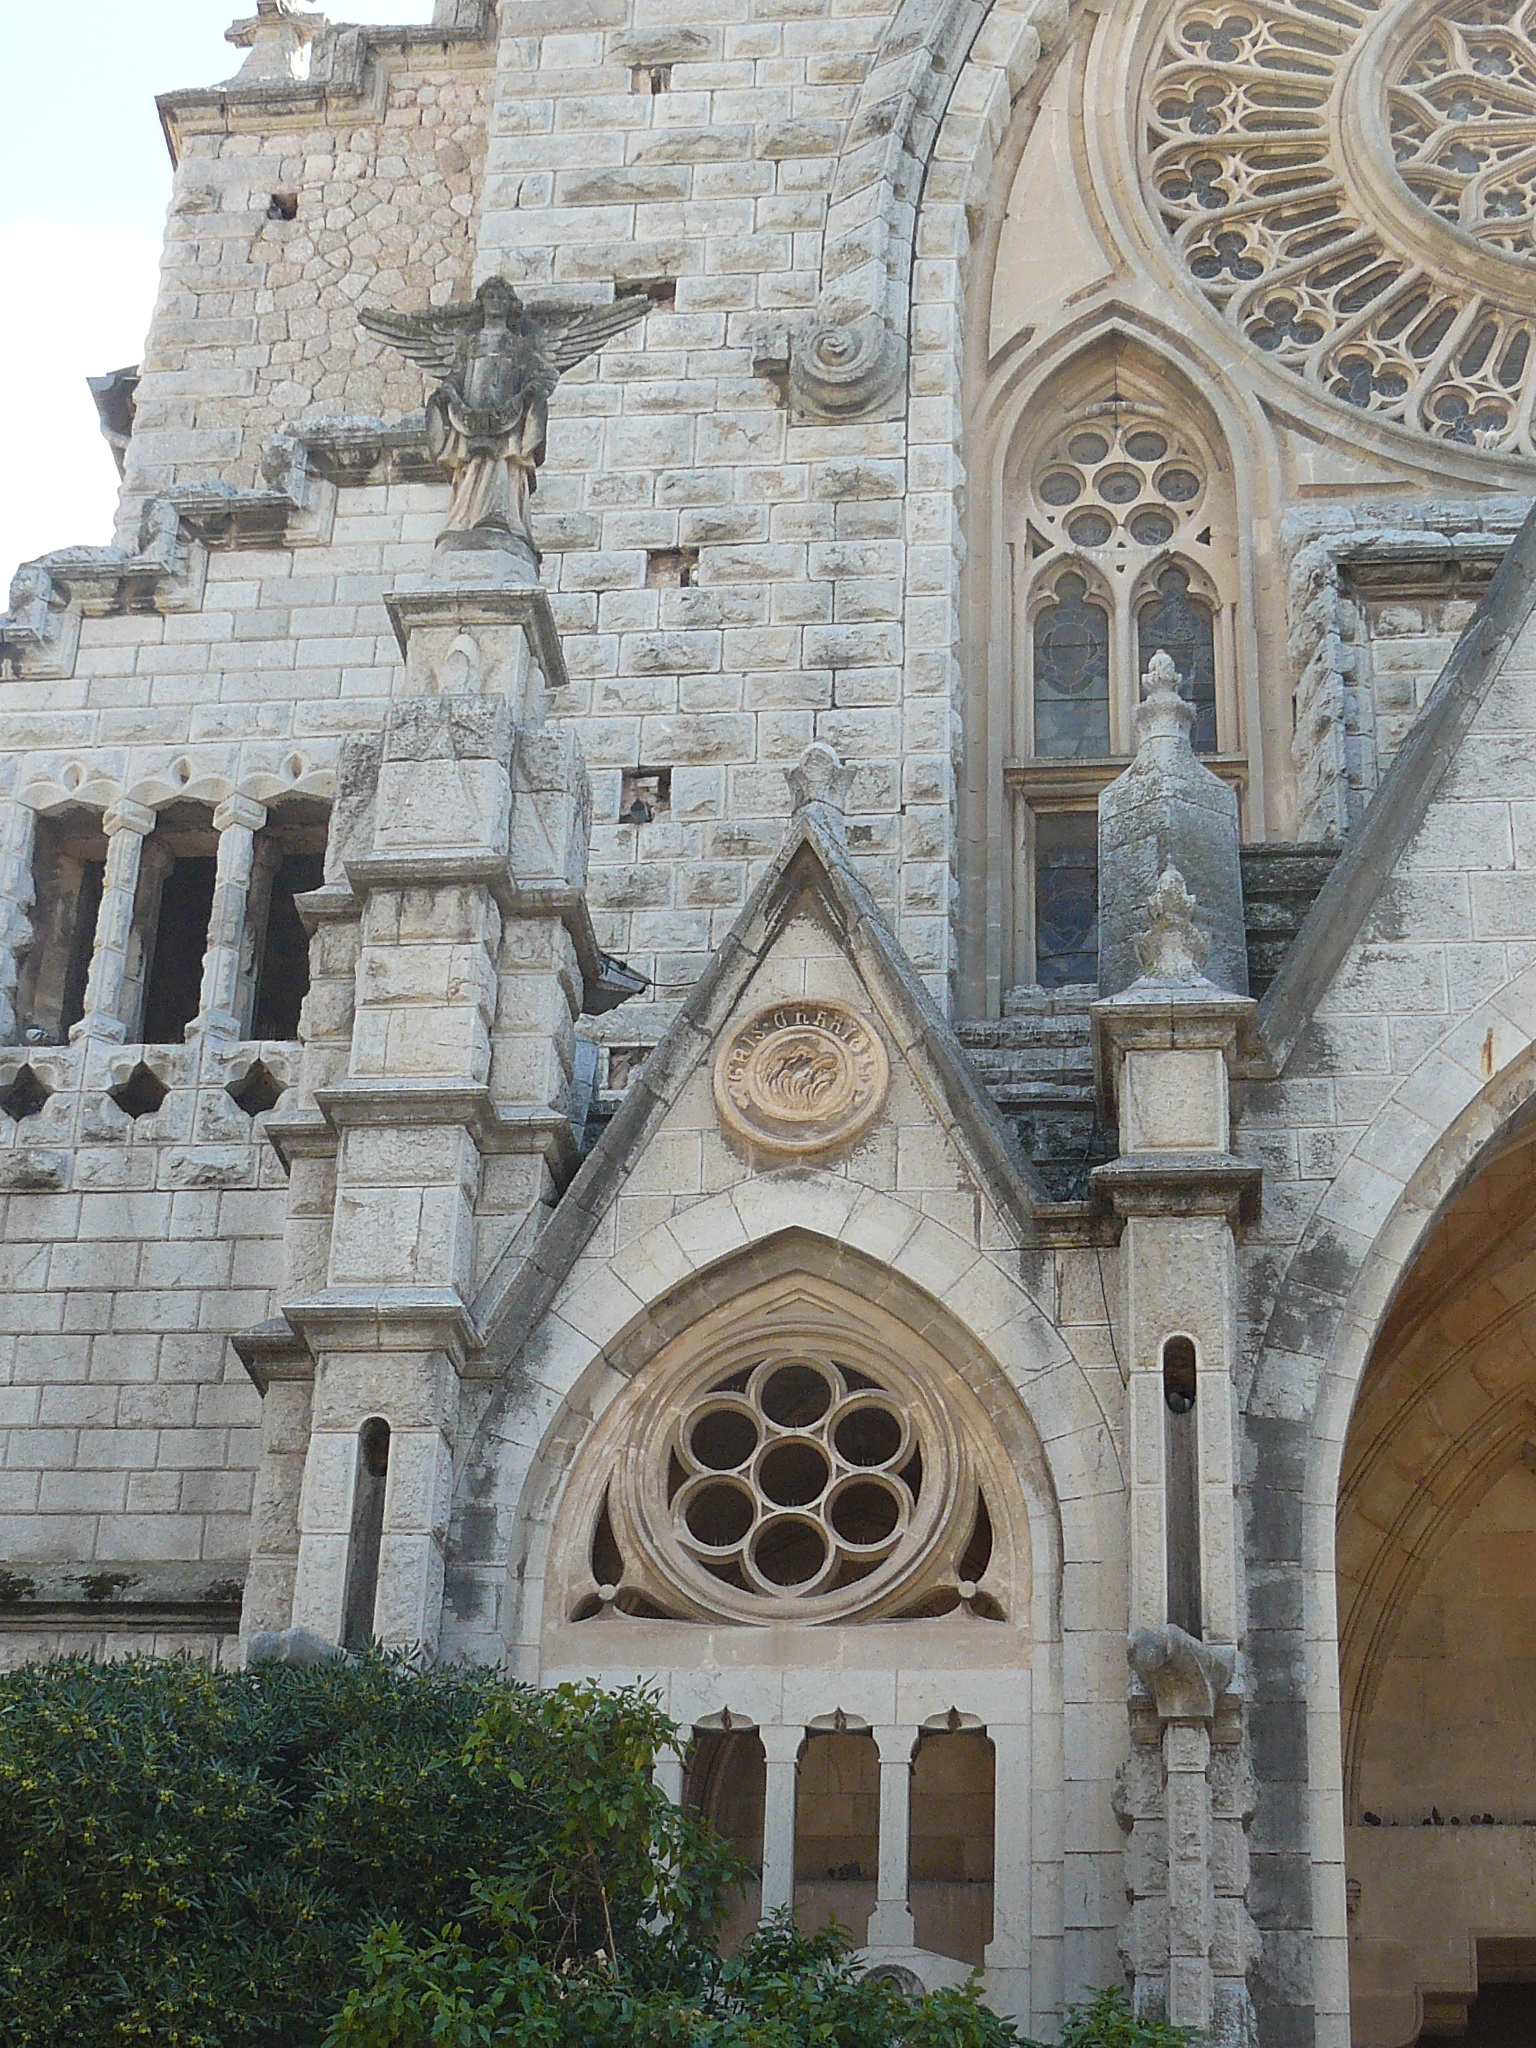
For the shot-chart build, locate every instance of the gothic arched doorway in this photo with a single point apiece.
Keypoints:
(1437, 1618)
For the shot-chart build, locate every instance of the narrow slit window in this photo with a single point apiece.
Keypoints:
(367, 1534)
(1181, 1468)
(1066, 898)
(68, 866)
(282, 979)
(1184, 627)
(1072, 672)
(175, 977)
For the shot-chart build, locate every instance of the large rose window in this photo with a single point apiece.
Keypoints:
(806, 1474)
(1354, 188)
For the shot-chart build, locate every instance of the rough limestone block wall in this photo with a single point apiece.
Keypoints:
(255, 326)
(130, 1248)
(792, 624)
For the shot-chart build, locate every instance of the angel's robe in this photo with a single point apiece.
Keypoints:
(494, 475)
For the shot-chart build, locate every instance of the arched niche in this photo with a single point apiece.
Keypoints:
(1436, 1580)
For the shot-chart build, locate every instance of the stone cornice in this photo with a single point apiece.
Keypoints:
(344, 78)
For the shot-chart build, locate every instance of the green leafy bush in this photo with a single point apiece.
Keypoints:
(363, 1855)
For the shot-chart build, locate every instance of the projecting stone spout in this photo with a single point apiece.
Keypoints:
(1168, 811)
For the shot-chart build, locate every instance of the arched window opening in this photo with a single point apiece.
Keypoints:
(1072, 672)
(1184, 627)
(277, 944)
(1122, 526)
(170, 922)
(952, 1844)
(1181, 1467)
(837, 1831)
(367, 1533)
(68, 865)
(726, 1785)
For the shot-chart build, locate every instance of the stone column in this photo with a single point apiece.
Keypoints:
(1166, 1047)
(891, 1924)
(237, 821)
(1008, 1952)
(18, 843)
(126, 824)
(781, 1752)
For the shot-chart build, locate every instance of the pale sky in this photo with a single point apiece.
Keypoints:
(84, 181)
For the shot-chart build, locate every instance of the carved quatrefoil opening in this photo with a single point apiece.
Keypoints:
(804, 1476)
(25, 1096)
(256, 1091)
(142, 1094)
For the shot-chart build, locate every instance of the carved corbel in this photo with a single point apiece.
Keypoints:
(40, 634)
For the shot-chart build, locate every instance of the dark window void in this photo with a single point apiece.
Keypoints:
(282, 979)
(1504, 2016)
(1181, 1465)
(1066, 897)
(953, 1801)
(175, 977)
(837, 1831)
(726, 1780)
(1072, 673)
(1184, 627)
(67, 869)
(367, 1534)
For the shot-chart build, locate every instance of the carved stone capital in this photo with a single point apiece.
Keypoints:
(1186, 1678)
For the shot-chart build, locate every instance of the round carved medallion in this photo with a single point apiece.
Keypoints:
(799, 1077)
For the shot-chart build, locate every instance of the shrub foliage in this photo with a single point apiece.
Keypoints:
(364, 1855)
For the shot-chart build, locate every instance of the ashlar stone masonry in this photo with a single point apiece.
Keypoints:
(774, 924)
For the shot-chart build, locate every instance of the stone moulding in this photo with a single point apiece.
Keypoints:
(799, 1078)
(1407, 554)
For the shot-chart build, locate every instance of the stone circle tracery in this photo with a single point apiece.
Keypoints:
(792, 1467)
(1289, 170)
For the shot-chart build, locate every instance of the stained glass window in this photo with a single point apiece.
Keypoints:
(1072, 672)
(1066, 897)
(1184, 627)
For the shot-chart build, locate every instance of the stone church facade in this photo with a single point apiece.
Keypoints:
(774, 927)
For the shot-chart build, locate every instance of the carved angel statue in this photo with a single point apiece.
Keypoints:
(499, 361)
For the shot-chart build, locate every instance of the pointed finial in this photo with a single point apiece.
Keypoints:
(819, 777)
(1173, 947)
(1164, 712)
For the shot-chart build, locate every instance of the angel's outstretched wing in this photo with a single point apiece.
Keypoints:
(567, 338)
(430, 339)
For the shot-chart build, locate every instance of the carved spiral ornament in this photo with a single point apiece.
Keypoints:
(1353, 187)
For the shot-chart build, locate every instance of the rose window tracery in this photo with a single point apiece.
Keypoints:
(1357, 197)
(808, 1477)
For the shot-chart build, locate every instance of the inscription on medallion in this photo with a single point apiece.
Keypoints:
(800, 1077)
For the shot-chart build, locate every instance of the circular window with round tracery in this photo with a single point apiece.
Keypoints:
(791, 1478)
(1118, 480)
